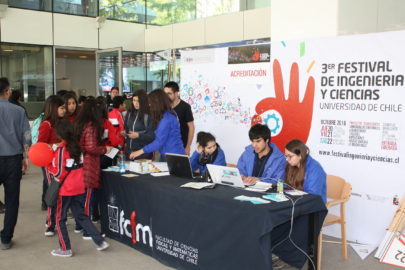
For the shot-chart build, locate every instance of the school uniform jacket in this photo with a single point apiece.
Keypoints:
(59, 168)
(219, 160)
(46, 133)
(274, 167)
(116, 114)
(167, 136)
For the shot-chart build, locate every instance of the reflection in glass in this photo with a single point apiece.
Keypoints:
(32, 4)
(125, 10)
(169, 12)
(29, 70)
(133, 72)
(76, 7)
(108, 64)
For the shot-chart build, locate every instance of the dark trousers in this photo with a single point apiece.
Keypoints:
(10, 177)
(86, 199)
(44, 184)
(50, 218)
(75, 203)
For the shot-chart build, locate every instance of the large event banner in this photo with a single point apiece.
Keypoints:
(343, 96)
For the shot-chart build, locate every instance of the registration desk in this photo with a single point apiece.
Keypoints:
(206, 229)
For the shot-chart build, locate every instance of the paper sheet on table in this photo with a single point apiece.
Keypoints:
(160, 174)
(275, 197)
(112, 153)
(162, 166)
(254, 200)
(198, 185)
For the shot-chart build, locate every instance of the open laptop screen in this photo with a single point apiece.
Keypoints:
(179, 165)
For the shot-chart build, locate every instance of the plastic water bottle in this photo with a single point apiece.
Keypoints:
(121, 163)
(280, 186)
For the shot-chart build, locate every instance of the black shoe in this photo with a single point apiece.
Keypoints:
(44, 207)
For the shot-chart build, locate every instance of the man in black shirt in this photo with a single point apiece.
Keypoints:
(184, 113)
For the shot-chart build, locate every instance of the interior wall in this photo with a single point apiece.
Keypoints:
(78, 74)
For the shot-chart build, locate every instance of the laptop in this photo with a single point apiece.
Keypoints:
(180, 166)
(225, 175)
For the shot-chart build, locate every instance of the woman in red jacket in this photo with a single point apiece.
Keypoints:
(89, 128)
(67, 168)
(54, 111)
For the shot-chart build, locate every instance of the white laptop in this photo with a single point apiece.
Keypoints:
(225, 175)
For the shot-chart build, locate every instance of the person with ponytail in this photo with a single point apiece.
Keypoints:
(166, 125)
(302, 172)
(67, 167)
(208, 152)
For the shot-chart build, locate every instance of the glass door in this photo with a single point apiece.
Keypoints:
(108, 70)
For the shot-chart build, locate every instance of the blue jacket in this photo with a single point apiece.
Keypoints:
(167, 136)
(274, 168)
(315, 178)
(219, 160)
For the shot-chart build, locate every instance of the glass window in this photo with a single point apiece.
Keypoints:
(252, 4)
(163, 12)
(32, 4)
(207, 8)
(29, 69)
(133, 72)
(124, 10)
(76, 7)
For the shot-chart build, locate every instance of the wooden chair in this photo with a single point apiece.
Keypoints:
(339, 191)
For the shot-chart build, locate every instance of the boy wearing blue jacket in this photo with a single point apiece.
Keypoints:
(262, 160)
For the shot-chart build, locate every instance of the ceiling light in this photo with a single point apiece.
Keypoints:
(83, 56)
(8, 50)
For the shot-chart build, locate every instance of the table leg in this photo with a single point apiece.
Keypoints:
(313, 239)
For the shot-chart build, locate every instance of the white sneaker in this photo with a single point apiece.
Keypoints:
(103, 246)
(49, 232)
(62, 253)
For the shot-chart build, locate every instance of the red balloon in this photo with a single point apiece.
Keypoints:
(40, 154)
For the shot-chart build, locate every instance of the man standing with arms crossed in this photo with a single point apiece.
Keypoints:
(184, 113)
(15, 138)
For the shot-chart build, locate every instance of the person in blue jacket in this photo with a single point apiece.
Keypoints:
(167, 128)
(262, 160)
(208, 152)
(302, 172)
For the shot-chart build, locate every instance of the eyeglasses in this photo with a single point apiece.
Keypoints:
(289, 156)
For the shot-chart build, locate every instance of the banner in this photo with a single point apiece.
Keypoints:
(343, 96)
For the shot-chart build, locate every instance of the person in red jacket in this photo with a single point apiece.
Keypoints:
(90, 129)
(54, 111)
(116, 119)
(67, 167)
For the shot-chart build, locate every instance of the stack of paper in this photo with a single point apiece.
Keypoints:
(198, 185)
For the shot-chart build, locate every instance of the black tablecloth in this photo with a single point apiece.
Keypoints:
(203, 229)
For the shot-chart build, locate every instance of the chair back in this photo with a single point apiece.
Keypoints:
(338, 188)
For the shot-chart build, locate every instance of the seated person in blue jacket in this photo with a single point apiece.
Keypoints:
(166, 125)
(262, 160)
(208, 152)
(302, 172)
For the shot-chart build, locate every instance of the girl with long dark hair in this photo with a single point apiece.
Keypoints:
(67, 167)
(167, 133)
(302, 172)
(54, 112)
(138, 125)
(89, 128)
(208, 152)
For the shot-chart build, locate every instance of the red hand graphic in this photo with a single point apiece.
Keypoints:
(297, 116)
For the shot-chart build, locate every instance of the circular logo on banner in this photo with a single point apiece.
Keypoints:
(274, 121)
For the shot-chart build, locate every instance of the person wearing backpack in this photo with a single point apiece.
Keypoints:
(138, 125)
(68, 168)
